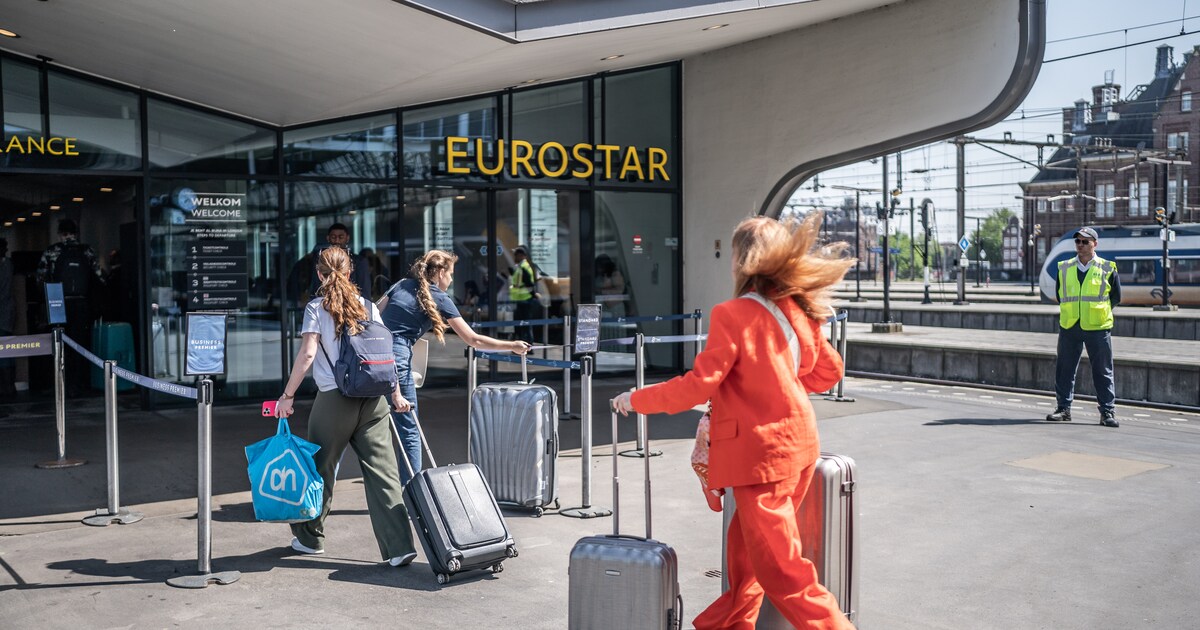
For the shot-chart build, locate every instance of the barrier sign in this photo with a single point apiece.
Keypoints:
(56, 307)
(205, 344)
(587, 328)
(26, 346)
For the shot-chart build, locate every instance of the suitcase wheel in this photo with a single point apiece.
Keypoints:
(511, 552)
(454, 565)
(442, 578)
(498, 567)
(538, 512)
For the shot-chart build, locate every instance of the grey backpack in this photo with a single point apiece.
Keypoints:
(365, 366)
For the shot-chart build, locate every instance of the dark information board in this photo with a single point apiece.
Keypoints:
(216, 256)
(587, 328)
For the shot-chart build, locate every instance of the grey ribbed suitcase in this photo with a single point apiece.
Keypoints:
(513, 439)
(624, 581)
(828, 537)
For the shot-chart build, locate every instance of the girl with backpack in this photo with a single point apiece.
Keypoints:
(338, 420)
(413, 307)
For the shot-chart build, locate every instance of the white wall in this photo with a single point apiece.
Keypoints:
(756, 111)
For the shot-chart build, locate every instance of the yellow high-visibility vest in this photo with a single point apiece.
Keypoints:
(1086, 302)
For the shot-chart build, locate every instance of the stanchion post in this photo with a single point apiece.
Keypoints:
(472, 383)
(179, 345)
(60, 407)
(587, 510)
(841, 348)
(566, 356)
(639, 367)
(205, 576)
(699, 326)
(113, 513)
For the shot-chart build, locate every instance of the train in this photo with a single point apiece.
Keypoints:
(1137, 250)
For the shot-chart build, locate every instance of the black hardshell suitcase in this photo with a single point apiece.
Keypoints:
(456, 517)
(624, 581)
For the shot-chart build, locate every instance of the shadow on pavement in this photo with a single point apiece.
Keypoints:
(987, 422)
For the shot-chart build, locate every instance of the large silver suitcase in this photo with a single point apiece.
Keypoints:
(624, 581)
(514, 441)
(828, 537)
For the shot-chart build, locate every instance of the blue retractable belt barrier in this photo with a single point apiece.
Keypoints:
(648, 318)
(517, 322)
(182, 391)
(836, 318)
(648, 339)
(512, 358)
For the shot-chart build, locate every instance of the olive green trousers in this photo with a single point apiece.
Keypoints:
(363, 424)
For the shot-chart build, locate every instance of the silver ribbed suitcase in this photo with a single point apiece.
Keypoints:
(624, 581)
(513, 438)
(828, 537)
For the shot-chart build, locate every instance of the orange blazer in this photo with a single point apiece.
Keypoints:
(762, 426)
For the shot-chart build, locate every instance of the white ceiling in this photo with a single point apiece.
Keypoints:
(293, 61)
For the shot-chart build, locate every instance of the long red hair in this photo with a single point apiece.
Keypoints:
(785, 259)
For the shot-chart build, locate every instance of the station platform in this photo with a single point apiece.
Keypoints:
(973, 513)
(1128, 321)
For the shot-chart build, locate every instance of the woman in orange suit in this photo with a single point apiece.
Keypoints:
(763, 434)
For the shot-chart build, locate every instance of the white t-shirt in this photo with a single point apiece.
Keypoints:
(318, 320)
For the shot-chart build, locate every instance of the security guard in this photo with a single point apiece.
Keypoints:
(1087, 288)
(522, 292)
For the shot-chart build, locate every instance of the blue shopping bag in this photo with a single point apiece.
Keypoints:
(284, 483)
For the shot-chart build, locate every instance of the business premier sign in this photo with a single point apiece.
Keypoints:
(519, 158)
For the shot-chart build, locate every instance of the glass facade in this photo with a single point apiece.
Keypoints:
(581, 173)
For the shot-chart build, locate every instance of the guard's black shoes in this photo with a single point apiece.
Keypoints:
(1060, 415)
(1108, 419)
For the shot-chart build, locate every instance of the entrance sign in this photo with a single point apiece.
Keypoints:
(587, 328)
(206, 336)
(56, 307)
(216, 256)
(520, 158)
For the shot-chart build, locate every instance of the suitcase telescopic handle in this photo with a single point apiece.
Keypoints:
(400, 441)
(524, 368)
(617, 479)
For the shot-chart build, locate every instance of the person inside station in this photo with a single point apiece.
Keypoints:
(522, 292)
(763, 432)
(76, 266)
(1087, 288)
(360, 270)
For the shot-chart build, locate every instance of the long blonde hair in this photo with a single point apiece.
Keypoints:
(784, 259)
(341, 295)
(426, 270)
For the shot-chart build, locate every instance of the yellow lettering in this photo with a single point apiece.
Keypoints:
(586, 167)
(522, 153)
(69, 146)
(14, 142)
(562, 152)
(657, 165)
(607, 150)
(486, 170)
(39, 143)
(452, 155)
(50, 146)
(632, 163)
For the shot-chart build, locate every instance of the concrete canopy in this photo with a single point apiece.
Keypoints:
(307, 60)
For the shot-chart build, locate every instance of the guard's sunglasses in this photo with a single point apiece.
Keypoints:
(1082, 241)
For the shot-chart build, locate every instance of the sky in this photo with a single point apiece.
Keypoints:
(1072, 27)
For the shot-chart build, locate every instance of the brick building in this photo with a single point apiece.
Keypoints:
(1116, 165)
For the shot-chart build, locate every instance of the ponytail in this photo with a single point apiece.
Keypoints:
(425, 270)
(341, 298)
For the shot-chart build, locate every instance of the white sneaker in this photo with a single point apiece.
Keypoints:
(403, 561)
(296, 545)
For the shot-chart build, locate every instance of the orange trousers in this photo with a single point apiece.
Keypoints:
(763, 557)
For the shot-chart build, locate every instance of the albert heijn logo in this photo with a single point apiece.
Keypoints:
(284, 479)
